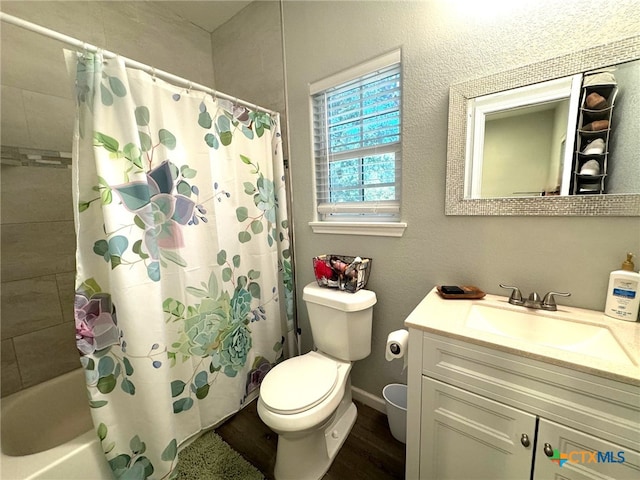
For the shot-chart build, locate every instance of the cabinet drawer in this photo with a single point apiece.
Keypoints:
(580, 456)
(602, 407)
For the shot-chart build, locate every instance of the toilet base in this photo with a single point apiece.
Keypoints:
(309, 456)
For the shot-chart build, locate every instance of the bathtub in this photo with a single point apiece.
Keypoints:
(47, 433)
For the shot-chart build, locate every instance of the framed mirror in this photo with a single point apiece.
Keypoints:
(477, 106)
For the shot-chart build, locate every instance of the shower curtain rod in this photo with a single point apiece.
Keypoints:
(18, 22)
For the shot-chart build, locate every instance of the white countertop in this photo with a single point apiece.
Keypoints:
(448, 318)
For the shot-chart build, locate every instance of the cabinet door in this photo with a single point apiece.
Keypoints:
(468, 437)
(583, 457)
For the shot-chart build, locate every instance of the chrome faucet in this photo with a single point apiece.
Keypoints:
(533, 301)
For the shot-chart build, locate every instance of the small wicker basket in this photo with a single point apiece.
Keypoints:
(342, 271)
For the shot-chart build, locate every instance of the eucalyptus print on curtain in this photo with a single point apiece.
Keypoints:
(184, 280)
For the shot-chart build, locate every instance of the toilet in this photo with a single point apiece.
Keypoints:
(306, 400)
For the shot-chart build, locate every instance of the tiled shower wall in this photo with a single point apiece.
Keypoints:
(38, 249)
(38, 239)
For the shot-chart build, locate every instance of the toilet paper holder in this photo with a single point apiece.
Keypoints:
(397, 345)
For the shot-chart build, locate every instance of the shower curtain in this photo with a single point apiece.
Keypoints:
(184, 282)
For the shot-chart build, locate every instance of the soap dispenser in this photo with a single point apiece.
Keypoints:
(623, 300)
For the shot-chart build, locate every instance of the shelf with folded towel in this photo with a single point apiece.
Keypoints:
(594, 115)
(587, 154)
(592, 143)
(603, 93)
(589, 178)
(591, 134)
(591, 157)
(591, 184)
(589, 160)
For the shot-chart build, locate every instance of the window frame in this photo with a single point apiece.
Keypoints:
(381, 218)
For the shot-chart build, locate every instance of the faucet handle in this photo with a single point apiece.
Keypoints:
(549, 303)
(516, 295)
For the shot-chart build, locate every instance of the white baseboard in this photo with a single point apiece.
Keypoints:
(370, 400)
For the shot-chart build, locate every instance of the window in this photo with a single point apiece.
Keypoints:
(357, 121)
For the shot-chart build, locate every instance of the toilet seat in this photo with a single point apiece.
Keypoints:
(299, 384)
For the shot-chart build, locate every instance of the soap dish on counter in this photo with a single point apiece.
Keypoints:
(469, 292)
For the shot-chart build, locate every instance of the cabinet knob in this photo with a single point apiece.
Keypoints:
(524, 440)
(548, 450)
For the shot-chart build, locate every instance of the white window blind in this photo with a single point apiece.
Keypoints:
(357, 142)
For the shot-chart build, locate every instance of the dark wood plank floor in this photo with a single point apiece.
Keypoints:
(369, 453)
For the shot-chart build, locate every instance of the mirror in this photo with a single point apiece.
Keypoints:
(482, 178)
(517, 142)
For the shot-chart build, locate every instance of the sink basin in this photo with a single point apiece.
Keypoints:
(551, 329)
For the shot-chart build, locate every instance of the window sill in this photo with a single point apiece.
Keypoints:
(374, 229)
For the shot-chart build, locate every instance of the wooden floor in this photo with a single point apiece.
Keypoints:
(369, 453)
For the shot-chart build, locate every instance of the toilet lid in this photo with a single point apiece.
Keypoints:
(299, 383)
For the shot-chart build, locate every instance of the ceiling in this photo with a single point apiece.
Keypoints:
(207, 15)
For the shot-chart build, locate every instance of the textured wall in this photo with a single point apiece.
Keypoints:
(447, 42)
(38, 240)
(623, 177)
(248, 61)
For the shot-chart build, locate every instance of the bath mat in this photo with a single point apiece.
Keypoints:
(211, 458)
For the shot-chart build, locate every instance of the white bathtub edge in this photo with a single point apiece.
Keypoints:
(59, 462)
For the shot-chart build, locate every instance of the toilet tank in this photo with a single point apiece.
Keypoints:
(340, 321)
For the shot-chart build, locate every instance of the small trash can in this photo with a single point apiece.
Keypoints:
(395, 399)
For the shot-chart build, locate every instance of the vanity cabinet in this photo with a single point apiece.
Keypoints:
(465, 436)
(588, 457)
(475, 412)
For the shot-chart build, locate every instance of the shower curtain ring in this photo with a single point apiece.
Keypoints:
(189, 87)
(153, 73)
(100, 54)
